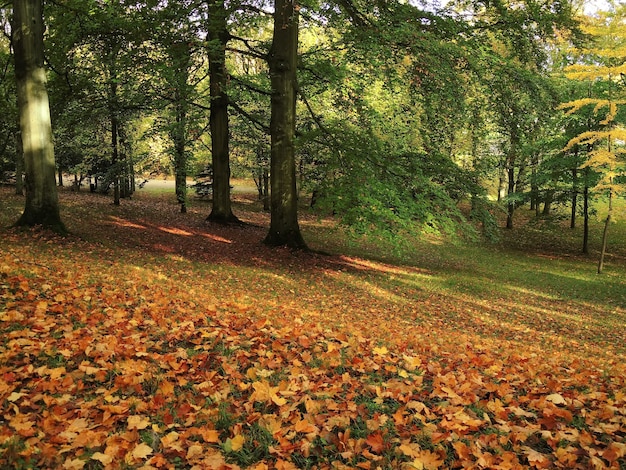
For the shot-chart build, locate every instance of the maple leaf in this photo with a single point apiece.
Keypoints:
(536, 459)
(235, 444)
(194, 452)
(427, 460)
(74, 464)
(138, 422)
(264, 392)
(376, 441)
(141, 451)
(102, 458)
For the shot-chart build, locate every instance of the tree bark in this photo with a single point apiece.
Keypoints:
(284, 228)
(586, 214)
(19, 164)
(220, 130)
(42, 202)
(572, 223)
(605, 233)
(180, 55)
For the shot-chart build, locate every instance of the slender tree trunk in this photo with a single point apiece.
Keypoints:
(283, 57)
(60, 177)
(605, 233)
(42, 202)
(572, 223)
(220, 130)
(511, 191)
(266, 190)
(115, 154)
(586, 213)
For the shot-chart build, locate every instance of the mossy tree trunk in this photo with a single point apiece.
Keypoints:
(42, 202)
(284, 228)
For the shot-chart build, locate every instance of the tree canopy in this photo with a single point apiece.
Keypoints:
(405, 113)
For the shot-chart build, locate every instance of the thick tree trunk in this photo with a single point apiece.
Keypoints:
(220, 131)
(180, 156)
(547, 202)
(180, 56)
(19, 164)
(42, 203)
(284, 228)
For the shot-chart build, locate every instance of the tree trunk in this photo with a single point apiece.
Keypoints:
(60, 177)
(42, 201)
(19, 164)
(586, 213)
(284, 228)
(180, 56)
(605, 233)
(572, 223)
(547, 202)
(266, 190)
(220, 131)
(511, 191)
(115, 153)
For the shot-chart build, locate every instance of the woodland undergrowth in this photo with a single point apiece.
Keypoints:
(152, 339)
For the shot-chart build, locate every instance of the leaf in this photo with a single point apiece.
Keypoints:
(235, 444)
(381, 351)
(376, 442)
(194, 452)
(74, 464)
(138, 422)
(427, 460)
(142, 451)
(102, 458)
(557, 399)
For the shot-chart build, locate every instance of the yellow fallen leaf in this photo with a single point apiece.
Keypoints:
(15, 396)
(170, 439)
(142, 451)
(104, 459)
(380, 351)
(235, 444)
(79, 424)
(138, 422)
(74, 464)
(195, 451)
(557, 399)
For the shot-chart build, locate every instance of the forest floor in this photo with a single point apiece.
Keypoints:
(152, 339)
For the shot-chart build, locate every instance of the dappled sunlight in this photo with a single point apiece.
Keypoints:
(125, 223)
(216, 238)
(176, 231)
(367, 287)
(364, 264)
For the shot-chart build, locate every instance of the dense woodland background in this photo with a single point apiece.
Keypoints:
(404, 109)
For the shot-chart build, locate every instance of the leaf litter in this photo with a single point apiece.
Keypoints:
(157, 341)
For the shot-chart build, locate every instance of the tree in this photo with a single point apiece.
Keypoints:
(283, 59)
(220, 132)
(605, 63)
(42, 203)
